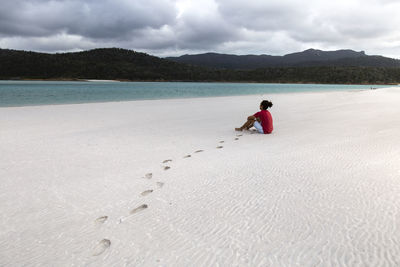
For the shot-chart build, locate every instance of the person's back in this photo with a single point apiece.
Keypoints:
(266, 121)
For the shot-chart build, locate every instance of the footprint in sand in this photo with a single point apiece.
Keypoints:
(101, 247)
(101, 219)
(167, 160)
(221, 142)
(219, 147)
(160, 184)
(198, 151)
(148, 175)
(187, 156)
(147, 192)
(236, 138)
(140, 208)
(167, 168)
(238, 135)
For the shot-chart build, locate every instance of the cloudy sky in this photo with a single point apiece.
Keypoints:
(175, 27)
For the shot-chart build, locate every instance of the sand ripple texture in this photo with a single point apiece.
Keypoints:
(322, 190)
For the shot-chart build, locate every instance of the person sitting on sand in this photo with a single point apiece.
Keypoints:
(261, 120)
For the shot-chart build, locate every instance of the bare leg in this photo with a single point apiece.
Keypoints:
(247, 125)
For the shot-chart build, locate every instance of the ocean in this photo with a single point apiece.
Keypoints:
(33, 93)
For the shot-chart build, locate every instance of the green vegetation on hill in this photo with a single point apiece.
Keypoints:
(110, 64)
(329, 75)
(121, 64)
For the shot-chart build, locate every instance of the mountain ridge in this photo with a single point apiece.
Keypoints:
(306, 58)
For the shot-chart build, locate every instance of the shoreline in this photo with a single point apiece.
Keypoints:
(184, 81)
(199, 97)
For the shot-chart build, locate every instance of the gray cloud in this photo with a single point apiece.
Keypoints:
(203, 27)
(173, 27)
(92, 19)
(261, 15)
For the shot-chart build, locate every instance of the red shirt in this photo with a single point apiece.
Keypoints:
(266, 120)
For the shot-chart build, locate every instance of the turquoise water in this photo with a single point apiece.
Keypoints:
(31, 93)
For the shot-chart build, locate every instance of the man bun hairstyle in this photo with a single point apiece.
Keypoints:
(265, 104)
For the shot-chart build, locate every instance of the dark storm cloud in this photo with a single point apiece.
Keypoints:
(92, 19)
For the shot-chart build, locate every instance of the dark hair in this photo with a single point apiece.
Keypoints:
(266, 104)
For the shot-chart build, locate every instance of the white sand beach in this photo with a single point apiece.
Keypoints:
(322, 190)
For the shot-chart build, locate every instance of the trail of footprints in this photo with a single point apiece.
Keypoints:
(104, 244)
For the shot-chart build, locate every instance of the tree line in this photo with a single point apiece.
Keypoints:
(128, 65)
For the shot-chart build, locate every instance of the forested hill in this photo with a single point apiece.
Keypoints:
(121, 64)
(103, 63)
(307, 58)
